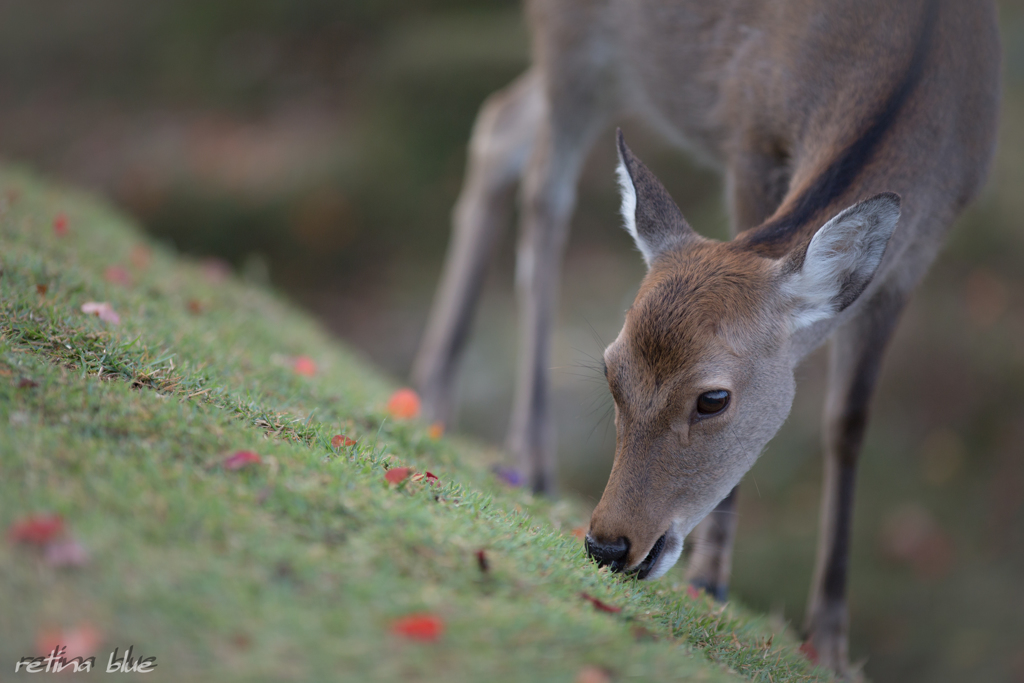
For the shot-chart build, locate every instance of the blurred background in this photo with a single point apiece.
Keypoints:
(318, 146)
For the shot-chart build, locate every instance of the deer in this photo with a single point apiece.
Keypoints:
(850, 136)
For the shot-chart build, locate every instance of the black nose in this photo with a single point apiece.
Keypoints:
(612, 554)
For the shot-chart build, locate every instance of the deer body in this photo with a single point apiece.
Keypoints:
(833, 123)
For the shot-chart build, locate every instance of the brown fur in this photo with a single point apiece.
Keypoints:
(808, 107)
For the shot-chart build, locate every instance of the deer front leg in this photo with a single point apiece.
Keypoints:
(711, 545)
(548, 197)
(500, 145)
(855, 359)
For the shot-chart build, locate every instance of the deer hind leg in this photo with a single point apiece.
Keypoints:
(711, 543)
(547, 201)
(500, 145)
(855, 358)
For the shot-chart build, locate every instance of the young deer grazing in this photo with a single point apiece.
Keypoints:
(851, 134)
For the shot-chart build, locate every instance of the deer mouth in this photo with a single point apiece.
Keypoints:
(644, 568)
(662, 557)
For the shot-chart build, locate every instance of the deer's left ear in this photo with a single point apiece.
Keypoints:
(651, 217)
(840, 260)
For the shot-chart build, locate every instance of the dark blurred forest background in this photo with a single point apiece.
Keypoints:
(318, 145)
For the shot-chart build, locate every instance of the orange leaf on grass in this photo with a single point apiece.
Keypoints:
(420, 626)
(600, 604)
(102, 309)
(80, 641)
(397, 475)
(580, 533)
(60, 224)
(118, 276)
(592, 674)
(341, 441)
(404, 404)
(240, 459)
(36, 530)
(304, 365)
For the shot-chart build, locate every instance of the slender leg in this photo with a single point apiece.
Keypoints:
(711, 549)
(500, 145)
(548, 197)
(855, 358)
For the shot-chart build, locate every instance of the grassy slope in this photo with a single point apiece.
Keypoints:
(296, 568)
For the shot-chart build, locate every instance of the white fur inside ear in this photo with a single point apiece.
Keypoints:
(629, 211)
(845, 251)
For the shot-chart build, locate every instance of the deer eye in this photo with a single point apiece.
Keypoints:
(712, 402)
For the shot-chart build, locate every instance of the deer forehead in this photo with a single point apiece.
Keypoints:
(697, 310)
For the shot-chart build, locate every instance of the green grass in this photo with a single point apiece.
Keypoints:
(294, 569)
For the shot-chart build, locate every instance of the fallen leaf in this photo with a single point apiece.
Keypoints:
(580, 532)
(60, 224)
(215, 270)
(240, 459)
(692, 592)
(510, 476)
(808, 650)
(341, 441)
(397, 475)
(304, 365)
(599, 604)
(421, 626)
(27, 383)
(435, 431)
(42, 289)
(194, 306)
(481, 561)
(140, 256)
(404, 404)
(36, 530)
(80, 641)
(592, 674)
(642, 633)
(102, 309)
(67, 552)
(118, 276)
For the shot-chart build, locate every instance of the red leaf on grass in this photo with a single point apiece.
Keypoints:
(404, 404)
(692, 591)
(592, 674)
(421, 626)
(80, 641)
(36, 530)
(808, 650)
(60, 224)
(599, 604)
(102, 309)
(397, 475)
(341, 441)
(118, 276)
(481, 561)
(240, 459)
(304, 365)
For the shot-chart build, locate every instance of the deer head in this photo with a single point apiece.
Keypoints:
(702, 371)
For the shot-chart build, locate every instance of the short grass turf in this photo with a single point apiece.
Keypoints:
(296, 568)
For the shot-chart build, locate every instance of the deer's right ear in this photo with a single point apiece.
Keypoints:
(651, 217)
